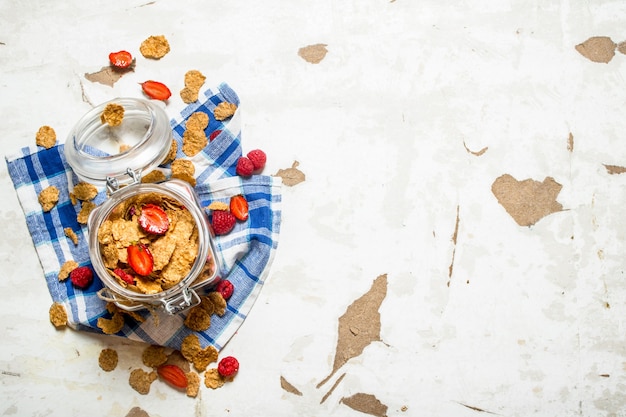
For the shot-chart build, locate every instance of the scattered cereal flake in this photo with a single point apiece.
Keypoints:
(108, 359)
(84, 191)
(58, 315)
(224, 110)
(204, 357)
(213, 379)
(193, 384)
(193, 81)
(218, 205)
(48, 197)
(184, 169)
(112, 325)
(207, 304)
(46, 137)
(197, 121)
(85, 209)
(218, 302)
(154, 356)
(141, 380)
(66, 268)
(171, 155)
(113, 114)
(71, 235)
(198, 319)
(154, 176)
(194, 141)
(155, 47)
(190, 346)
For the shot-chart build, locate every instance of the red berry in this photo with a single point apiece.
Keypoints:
(173, 375)
(82, 277)
(239, 207)
(223, 221)
(245, 167)
(228, 366)
(140, 259)
(214, 134)
(121, 59)
(258, 158)
(226, 288)
(153, 219)
(124, 276)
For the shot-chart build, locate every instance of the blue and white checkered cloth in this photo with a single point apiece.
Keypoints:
(246, 253)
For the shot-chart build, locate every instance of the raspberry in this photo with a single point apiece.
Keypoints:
(214, 134)
(225, 288)
(223, 221)
(228, 366)
(258, 158)
(81, 277)
(245, 167)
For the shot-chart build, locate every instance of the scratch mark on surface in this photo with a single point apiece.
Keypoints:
(471, 407)
(454, 240)
(330, 391)
(570, 142)
(9, 373)
(476, 153)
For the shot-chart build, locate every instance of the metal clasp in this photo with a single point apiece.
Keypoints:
(187, 298)
(113, 183)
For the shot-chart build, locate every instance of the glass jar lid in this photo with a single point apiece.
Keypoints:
(97, 151)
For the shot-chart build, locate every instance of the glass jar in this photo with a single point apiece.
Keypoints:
(116, 157)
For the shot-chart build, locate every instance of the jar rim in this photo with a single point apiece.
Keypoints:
(90, 146)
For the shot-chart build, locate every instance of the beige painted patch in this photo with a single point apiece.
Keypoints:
(597, 49)
(366, 403)
(363, 315)
(284, 384)
(475, 153)
(137, 412)
(527, 201)
(291, 176)
(615, 169)
(107, 76)
(621, 47)
(313, 53)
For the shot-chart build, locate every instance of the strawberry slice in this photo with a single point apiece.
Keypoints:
(140, 259)
(239, 207)
(173, 375)
(153, 219)
(124, 276)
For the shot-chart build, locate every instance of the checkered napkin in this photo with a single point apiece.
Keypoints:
(245, 254)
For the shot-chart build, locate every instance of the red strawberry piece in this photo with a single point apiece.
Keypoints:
(82, 277)
(140, 259)
(173, 375)
(223, 221)
(214, 134)
(226, 288)
(121, 59)
(228, 366)
(239, 207)
(153, 219)
(124, 276)
(258, 159)
(245, 167)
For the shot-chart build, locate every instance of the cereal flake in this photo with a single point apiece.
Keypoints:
(194, 141)
(58, 315)
(224, 110)
(113, 114)
(154, 356)
(108, 359)
(197, 121)
(204, 357)
(155, 47)
(66, 268)
(85, 209)
(193, 384)
(190, 346)
(141, 380)
(112, 325)
(48, 198)
(213, 379)
(198, 319)
(184, 169)
(153, 176)
(84, 191)
(46, 137)
(71, 235)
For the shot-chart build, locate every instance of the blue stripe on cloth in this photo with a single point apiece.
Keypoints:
(246, 253)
